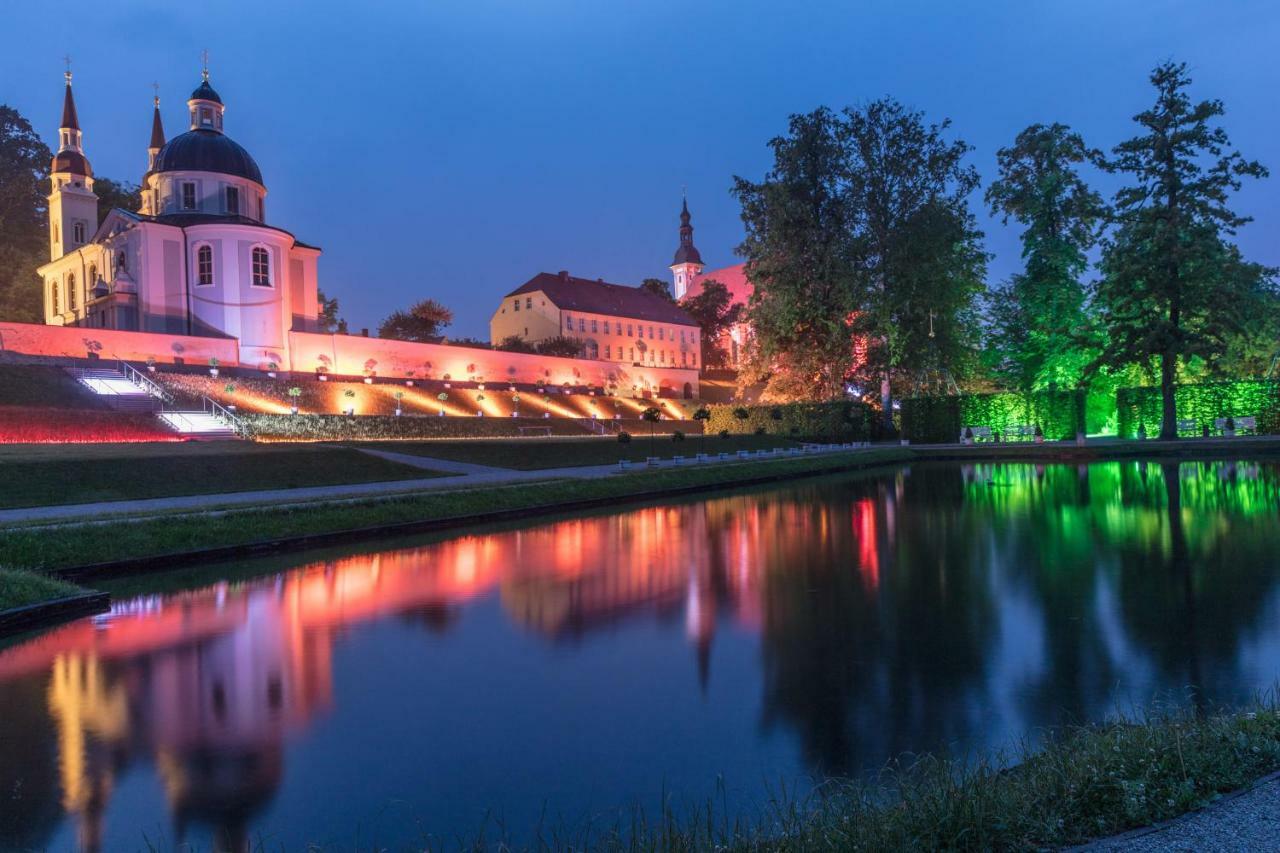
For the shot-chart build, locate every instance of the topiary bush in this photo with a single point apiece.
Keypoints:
(936, 420)
(1203, 403)
(847, 421)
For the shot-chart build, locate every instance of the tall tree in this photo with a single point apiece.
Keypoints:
(329, 320)
(715, 313)
(24, 172)
(658, 287)
(561, 345)
(421, 323)
(1173, 286)
(918, 251)
(112, 194)
(1039, 316)
(797, 247)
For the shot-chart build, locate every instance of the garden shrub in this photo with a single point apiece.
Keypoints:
(933, 420)
(1203, 403)
(677, 435)
(844, 420)
(379, 427)
(624, 437)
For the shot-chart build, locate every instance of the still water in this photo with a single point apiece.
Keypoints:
(568, 671)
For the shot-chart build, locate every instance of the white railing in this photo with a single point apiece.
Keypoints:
(222, 413)
(137, 377)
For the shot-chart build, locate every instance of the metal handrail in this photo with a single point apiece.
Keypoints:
(222, 413)
(144, 382)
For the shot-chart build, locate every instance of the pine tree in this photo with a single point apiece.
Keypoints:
(1172, 284)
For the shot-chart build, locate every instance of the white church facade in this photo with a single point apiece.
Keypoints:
(198, 258)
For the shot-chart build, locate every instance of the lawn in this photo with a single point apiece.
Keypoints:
(40, 548)
(44, 386)
(46, 475)
(529, 454)
(19, 588)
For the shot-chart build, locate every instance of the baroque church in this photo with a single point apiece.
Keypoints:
(689, 276)
(197, 258)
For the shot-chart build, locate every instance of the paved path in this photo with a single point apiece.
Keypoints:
(1247, 821)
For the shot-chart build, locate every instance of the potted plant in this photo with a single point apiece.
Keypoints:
(515, 404)
(480, 399)
(442, 397)
(230, 389)
(322, 373)
(151, 364)
(447, 377)
(399, 395)
(349, 396)
(409, 378)
(294, 393)
(213, 367)
(272, 367)
(1039, 435)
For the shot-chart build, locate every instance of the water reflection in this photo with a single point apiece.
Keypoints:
(937, 608)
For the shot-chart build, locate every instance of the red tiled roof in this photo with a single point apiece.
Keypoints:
(734, 278)
(599, 297)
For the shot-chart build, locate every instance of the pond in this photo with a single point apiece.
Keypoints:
(566, 672)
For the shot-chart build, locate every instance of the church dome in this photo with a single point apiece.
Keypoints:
(205, 92)
(73, 162)
(207, 151)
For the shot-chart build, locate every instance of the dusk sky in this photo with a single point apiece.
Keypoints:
(454, 149)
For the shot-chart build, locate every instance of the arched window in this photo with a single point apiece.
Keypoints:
(77, 232)
(261, 267)
(93, 278)
(204, 265)
(122, 264)
(54, 303)
(71, 292)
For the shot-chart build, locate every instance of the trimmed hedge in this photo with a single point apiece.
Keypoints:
(937, 420)
(379, 427)
(1203, 403)
(849, 421)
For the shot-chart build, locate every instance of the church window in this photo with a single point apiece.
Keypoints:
(55, 232)
(93, 276)
(122, 263)
(262, 215)
(188, 196)
(233, 200)
(206, 115)
(261, 267)
(204, 265)
(77, 231)
(54, 302)
(71, 292)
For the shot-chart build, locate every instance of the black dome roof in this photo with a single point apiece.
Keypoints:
(204, 92)
(207, 151)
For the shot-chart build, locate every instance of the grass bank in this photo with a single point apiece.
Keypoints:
(1085, 783)
(48, 475)
(555, 452)
(179, 536)
(19, 588)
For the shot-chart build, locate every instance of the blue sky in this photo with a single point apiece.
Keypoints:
(453, 148)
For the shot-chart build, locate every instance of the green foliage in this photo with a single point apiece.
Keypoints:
(378, 427)
(562, 346)
(1173, 286)
(677, 435)
(939, 419)
(713, 309)
(422, 323)
(116, 194)
(1038, 319)
(329, 320)
(658, 287)
(847, 421)
(515, 343)
(24, 172)
(862, 230)
(20, 588)
(1203, 403)
(624, 437)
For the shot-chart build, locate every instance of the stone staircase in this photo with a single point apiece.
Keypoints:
(127, 390)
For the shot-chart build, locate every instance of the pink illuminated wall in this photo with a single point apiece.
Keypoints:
(109, 344)
(348, 355)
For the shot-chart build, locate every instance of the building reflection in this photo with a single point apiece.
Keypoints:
(881, 606)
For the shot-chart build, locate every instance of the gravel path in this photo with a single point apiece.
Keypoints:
(1246, 821)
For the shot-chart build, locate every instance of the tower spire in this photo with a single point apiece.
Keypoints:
(70, 121)
(157, 131)
(688, 261)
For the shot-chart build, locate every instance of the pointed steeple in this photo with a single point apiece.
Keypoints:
(687, 253)
(70, 121)
(70, 159)
(157, 127)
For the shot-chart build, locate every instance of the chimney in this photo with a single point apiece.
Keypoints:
(364, 333)
(564, 275)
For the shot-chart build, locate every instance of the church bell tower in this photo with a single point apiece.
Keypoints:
(688, 262)
(73, 206)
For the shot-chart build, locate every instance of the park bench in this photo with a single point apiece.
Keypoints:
(722, 455)
(536, 430)
(1249, 423)
(979, 433)
(652, 461)
(1018, 433)
(701, 457)
(679, 460)
(743, 454)
(624, 464)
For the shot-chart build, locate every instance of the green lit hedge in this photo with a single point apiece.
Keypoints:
(848, 421)
(932, 420)
(1203, 403)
